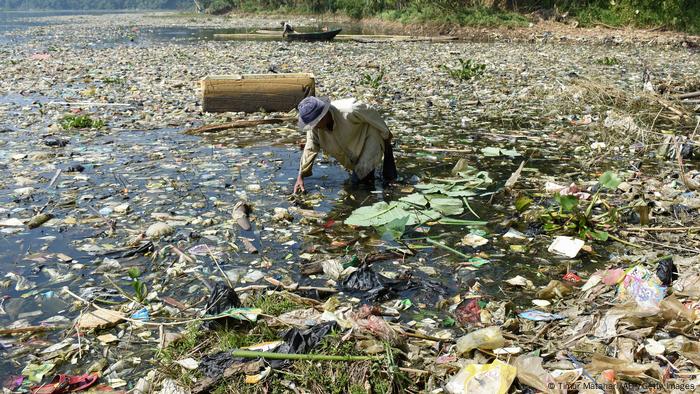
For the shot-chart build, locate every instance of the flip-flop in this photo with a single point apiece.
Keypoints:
(59, 384)
(81, 382)
(62, 383)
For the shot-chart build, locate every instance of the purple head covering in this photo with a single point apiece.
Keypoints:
(312, 110)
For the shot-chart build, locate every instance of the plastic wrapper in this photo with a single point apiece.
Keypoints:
(494, 378)
(642, 286)
(485, 338)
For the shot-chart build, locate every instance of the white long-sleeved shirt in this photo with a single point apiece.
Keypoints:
(353, 124)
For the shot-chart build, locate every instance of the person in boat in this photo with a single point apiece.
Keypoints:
(286, 29)
(349, 131)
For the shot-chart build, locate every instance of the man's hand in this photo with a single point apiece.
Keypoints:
(299, 185)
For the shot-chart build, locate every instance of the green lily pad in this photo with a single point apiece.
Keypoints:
(461, 193)
(376, 215)
(393, 231)
(447, 206)
(382, 213)
(415, 198)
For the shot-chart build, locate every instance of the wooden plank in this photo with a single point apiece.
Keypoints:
(255, 92)
(239, 124)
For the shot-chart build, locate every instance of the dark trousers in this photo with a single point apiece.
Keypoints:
(389, 173)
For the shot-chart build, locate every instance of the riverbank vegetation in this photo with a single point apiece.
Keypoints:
(681, 15)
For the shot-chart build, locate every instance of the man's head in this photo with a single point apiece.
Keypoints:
(313, 111)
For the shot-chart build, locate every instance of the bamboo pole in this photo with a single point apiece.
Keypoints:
(30, 329)
(288, 356)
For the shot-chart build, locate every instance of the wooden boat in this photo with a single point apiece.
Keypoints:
(313, 36)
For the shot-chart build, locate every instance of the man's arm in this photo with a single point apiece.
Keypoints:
(311, 149)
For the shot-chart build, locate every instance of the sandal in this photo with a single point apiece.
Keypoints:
(63, 383)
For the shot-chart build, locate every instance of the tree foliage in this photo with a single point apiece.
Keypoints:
(92, 4)
(674, 14)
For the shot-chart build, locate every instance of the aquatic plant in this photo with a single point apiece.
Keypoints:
(609, 61)
(373, 81)
(81, 122)
(466, 70)
(140, 288)
(568, 217)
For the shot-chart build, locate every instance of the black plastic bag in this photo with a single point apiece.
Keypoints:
(364, 279)
(214, 365)
(298, 341)
(667, 271)
(222, 299)
(371, 286)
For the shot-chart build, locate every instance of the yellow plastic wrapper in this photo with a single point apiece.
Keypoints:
(493, 378)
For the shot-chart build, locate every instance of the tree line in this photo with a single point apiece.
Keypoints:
(674, 14)
(92, 4)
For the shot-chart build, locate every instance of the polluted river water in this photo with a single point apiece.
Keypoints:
(104, 187)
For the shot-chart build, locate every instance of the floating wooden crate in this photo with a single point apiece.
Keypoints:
(255, 92)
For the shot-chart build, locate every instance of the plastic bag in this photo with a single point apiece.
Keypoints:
(372, 286)
(530, 372)
(642, 286)
(301, 341)
(667, 271)
(494, 378)
(221, 300)
(365, 320)
(213, 365)
(485, 338)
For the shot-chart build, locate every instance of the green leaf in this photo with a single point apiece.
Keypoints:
(375, 215)
(447, 206)
(609, 180)
(567, 203)
(461, 193)
(477, 261)
(448, 322)
(510, 152)
(599, 235)
(393, 231)
(382, 213)
(522, 203)
(478, 232)
(490, 151)
(415, 198)
(133, 272)
(462, 166)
